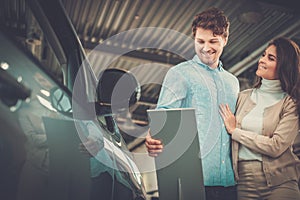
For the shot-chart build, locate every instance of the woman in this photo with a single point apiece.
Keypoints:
(265, 125)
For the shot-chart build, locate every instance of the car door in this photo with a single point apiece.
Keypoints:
(45, 60)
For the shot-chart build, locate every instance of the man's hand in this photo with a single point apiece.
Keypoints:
(154, 146)
(90, 147)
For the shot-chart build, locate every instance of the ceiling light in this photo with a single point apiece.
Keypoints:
(45, 92)
(4, 65)
(250, 17)
(251, 13)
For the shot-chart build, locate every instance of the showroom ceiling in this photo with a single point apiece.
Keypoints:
(142, 31)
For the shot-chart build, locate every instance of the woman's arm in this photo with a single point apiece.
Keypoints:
(275, 143)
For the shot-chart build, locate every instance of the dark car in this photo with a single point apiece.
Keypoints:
(43, 122)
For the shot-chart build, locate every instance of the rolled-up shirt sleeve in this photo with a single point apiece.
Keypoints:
(173, 90)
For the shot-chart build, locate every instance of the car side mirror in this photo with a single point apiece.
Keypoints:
(117, 89)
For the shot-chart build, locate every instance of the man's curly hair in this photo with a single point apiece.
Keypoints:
(212, 19)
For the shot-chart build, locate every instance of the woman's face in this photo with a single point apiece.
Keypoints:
(267, 64)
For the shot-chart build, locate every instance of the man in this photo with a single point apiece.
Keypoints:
(203, 84)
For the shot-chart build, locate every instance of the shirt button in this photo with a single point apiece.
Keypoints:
(223, 161)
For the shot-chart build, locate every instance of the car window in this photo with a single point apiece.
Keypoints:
(28, 33)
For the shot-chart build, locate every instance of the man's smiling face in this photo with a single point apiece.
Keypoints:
(209, 47)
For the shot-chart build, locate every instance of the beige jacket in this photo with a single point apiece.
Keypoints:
(280, 128)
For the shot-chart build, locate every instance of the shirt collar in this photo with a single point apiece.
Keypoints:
(198, 61)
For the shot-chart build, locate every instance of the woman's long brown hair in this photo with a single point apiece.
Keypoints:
(288, 68)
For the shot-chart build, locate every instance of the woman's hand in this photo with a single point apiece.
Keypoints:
(228, 118)
(154, 146)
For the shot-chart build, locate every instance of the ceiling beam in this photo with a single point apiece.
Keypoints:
(154, 57)
(250, 60)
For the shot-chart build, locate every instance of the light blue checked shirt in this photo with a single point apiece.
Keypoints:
(192, 84)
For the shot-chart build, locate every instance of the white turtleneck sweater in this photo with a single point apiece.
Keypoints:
(268, 94)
